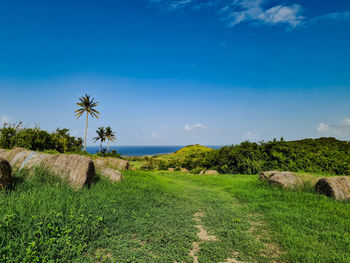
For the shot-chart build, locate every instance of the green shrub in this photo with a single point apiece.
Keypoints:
(38, 140)
(197, 170)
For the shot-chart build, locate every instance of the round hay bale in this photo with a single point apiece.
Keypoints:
(284, 179)
(211, 172)
(17, 156)
(184, 170)
(5, 173)
(78, 171)
(115, 163)
(171, 169)
(266, 175)
(337, 187)
(112, 174)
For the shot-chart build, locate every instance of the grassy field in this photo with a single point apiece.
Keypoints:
(156, 217)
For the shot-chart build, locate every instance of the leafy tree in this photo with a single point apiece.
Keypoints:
(87, 106)
(110, 135)
(101, 136)
(37, 139)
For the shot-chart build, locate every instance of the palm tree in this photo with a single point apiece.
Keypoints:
(101, 136)
(110, 135)
(86, 105)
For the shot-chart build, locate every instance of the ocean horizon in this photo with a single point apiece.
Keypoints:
(143, 150)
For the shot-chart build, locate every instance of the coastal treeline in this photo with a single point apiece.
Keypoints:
(310, 155)
(37, 139)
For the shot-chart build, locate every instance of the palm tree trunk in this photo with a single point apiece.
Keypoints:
(100, 146)
(86, 128)
(108, 145)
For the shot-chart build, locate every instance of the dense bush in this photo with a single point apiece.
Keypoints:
(113, 154)
(38, 140)
(309, 155)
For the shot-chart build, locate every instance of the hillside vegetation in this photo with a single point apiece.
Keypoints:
(327, 155)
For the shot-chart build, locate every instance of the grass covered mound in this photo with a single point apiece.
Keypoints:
(191, 150)
(181, 158)
(152, 217)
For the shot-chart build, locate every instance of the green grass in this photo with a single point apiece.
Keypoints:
(185, 152)
(148, 217)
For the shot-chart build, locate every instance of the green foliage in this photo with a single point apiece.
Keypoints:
(310, 155)
(191, 150)
(197, 170)
(113, 154)
(37, 139)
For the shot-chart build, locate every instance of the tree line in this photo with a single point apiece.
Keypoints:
(327, 155)
(36, 139)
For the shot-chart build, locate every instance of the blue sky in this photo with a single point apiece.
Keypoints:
(179, 72)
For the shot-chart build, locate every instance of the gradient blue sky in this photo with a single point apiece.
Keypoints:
(179, 72)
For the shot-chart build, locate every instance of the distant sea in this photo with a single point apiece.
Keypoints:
(142, 150)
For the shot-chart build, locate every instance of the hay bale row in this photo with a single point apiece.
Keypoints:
(183, 170)
(283, 179)
(76, 170)
(115, 163)
(5, 173)
(112, 174)
(337, 187)
(266, 175)
(208, 172)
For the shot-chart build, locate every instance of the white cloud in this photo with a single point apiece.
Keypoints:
(197, 126)
(346, 122)
(179, 4)
(238, 11)
(158, 133)
(4, 120)
(341, 129)
(256, 12)
(253, 11)
(283, 14)
(249, 136)
(323, 127)
(155, 134)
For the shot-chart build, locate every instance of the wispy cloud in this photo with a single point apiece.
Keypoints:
(240, 11)
(4, 120)
(171, 4)
(179, 4)
(158, 133)
(250, 136)
(255, 12)
(341, 129)
(336, 16)
(197, 126)
(155, 134)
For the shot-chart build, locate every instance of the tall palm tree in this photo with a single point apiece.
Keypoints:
(86, 105)
(110, 135)
(101, 136)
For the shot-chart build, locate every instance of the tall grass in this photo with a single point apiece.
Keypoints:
(148, 217)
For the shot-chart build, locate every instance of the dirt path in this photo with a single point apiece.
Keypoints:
(204, 237)
(202, 234)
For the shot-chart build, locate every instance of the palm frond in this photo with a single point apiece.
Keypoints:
(87, 105)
